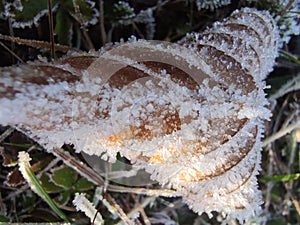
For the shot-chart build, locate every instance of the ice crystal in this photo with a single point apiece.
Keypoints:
(24, 167)
(124, 12)
(289, 24)
(146, 17)
(286, 17)
(211, 4)
(126, 16)
(84, 205)
(25, 14)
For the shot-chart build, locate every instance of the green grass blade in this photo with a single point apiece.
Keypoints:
(282, 178)
(18, 145)
(289, 56)
(35, 185)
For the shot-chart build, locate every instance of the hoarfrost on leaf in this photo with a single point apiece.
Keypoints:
(191, 115)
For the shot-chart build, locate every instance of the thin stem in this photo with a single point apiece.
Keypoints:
(101, 22)
(79, 166)
(282, 132)
(137, 30)
(36, 44)
(11, 33)
(140, 208)
(6, 133)
(290, 56)
(270, 185)
(287, 7)
(82, 27)
(286, 184)
(51, 29)
(94, 177)
(25, 169)
(291, 85)
(144, 191)
(118, 209)
(11, 52)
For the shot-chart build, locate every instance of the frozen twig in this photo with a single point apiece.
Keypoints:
(118, 209)
(84, 205)
(79, 166)
(281, 133)
(6, 133)
(51, 29)
(36, 44)
(270, 185)
(144, 191)
(11, 52)
(82, 26)
(101, 22)
(287, 7)
(92, 176)
(140, 208)
(16, 192)
(292, 85)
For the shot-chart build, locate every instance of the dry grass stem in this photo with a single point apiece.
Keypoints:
(6, 133)
(11, 52)
(282, 132)
(292, 85)
(118, 209)
(51, 29)
(82, 26)
(37, 44)
(101, 22)
(92, 176)
(140, 208)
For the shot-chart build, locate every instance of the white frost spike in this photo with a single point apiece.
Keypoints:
(84, 205)
(190, 114)
(24, 167)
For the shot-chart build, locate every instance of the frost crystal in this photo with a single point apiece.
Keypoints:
(84, 205)
(191, 114)
(28, 13)
(286, 15)
(211, 4)
(289, 24)
(128, 16)
(146, 17)
(24, 167)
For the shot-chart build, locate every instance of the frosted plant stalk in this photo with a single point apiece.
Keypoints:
(84, 205)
